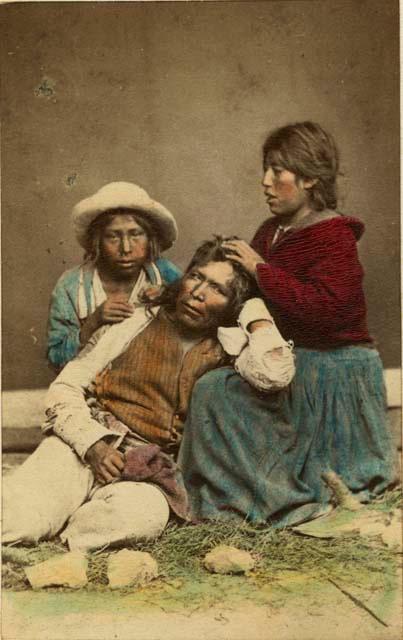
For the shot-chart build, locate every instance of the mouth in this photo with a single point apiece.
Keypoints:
(126, 263)
(271, 201)
(191, 311)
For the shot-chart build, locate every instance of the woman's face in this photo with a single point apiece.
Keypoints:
(287, 195)
(124, 245)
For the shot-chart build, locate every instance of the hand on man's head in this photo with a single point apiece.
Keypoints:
(241, 252)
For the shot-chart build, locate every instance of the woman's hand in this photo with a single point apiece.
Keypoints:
(106, 462)
(241, 252)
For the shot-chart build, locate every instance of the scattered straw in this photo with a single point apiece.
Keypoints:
(180, 550)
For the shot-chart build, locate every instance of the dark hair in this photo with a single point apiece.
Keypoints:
(243, 286)
(304, 148)
(97, 227)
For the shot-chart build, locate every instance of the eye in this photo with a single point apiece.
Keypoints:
(194, 275)
(136, 233)
(218, 289)
(109, 235)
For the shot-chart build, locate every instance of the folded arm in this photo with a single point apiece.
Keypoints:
(264, 359)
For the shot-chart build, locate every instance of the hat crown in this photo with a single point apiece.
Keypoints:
(122, 191)
(124, 195)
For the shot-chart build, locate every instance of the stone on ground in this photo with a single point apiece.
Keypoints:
(225, 559)
(131, 567)
(64, 570)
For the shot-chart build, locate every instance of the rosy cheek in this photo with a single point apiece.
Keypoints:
(284, 189)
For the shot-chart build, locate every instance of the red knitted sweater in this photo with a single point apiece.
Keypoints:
(312, 280)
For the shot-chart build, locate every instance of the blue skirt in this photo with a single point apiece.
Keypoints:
(260, 456)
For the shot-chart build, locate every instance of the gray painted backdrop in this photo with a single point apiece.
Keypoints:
(178, 97)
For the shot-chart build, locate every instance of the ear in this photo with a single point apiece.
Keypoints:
(308, 183)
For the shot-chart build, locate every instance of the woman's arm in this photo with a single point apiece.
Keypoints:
(327, 294)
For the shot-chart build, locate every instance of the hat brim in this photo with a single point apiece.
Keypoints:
(161, 220)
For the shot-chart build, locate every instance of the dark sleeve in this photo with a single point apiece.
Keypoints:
(328, 291)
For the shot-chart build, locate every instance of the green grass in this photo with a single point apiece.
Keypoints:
(181, 549)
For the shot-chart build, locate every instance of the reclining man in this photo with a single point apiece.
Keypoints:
(99, 469)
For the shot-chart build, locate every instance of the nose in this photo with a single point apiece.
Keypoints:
(125, 245)
(198, 291)
(267, 180)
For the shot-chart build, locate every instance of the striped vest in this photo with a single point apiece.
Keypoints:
(148, 386)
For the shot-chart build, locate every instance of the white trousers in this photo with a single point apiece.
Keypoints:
(53, 487)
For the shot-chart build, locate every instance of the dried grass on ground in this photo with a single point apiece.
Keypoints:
(180, 550)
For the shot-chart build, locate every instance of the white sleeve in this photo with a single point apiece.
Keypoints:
(267, 362)
(68, 414)
(67, 411)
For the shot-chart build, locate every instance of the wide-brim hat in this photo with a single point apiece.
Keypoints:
(127, 195)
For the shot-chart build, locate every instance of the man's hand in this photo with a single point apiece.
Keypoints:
(106, 462)
(241, 252)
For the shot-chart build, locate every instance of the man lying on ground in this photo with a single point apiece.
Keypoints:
(116, 412)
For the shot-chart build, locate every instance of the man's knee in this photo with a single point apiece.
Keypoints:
(43, 492)
(116, 513)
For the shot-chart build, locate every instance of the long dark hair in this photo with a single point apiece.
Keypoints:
(307, 150)
(97, 227)
(243, 286)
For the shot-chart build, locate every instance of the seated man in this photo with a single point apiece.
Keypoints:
(100, 470)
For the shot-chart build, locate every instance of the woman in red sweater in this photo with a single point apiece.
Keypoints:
(306, 265)
(262, 457)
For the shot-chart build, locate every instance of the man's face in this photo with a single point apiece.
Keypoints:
(204, 296)
(286, 194)
(124, 245)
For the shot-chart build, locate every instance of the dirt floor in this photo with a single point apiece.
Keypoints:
(296, 608)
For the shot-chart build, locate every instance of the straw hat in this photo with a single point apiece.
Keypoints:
(127, 195)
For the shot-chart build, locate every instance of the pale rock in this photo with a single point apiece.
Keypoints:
(131, 567)
(64, 570)
(225, 559)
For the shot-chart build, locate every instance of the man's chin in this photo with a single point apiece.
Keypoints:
(195, 325)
